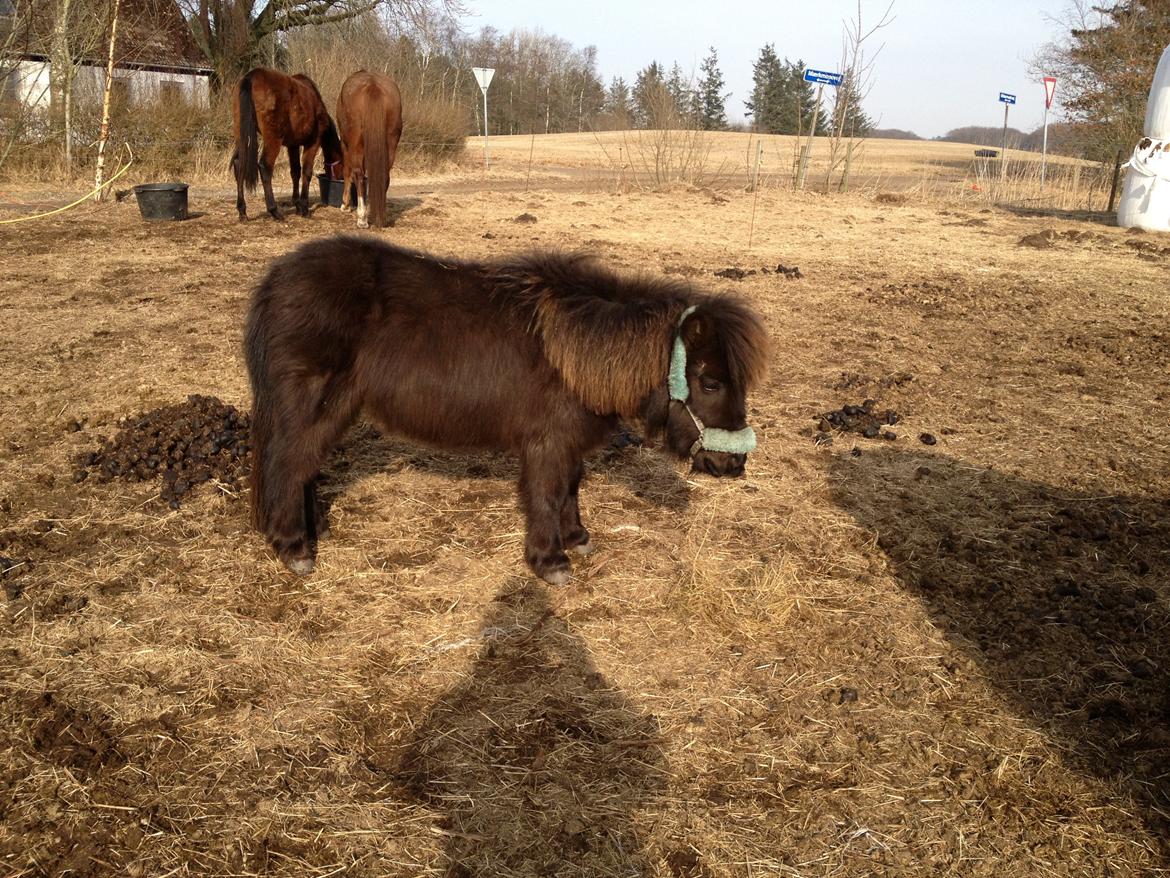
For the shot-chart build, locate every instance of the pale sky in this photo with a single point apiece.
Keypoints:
(943, 64)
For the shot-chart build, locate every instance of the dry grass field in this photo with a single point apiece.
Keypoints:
(870, 656)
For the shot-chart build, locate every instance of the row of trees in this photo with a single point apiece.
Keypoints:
(543, 82)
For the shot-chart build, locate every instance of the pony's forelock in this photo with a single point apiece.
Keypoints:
(741, 337)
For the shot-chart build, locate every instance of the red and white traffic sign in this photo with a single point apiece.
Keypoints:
(1049, 91)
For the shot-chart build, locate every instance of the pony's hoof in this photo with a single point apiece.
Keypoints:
(276, 215)
(362, 224)
(559, 576)
(583, 549)
(300, 566)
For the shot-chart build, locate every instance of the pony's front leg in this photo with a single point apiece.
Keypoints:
(574, 536)
(545, 476)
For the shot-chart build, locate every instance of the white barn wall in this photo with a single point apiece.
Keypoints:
(144, 86)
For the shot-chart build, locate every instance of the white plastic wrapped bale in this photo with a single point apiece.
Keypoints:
(1145, 199)
(1158, 109)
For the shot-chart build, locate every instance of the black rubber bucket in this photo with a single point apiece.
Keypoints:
(162, 201)
(331, 190)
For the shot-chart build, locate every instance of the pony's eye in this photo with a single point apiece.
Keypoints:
(709, 385)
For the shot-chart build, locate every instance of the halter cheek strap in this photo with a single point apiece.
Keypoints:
(710, 438)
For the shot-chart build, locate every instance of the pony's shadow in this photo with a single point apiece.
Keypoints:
(650, 476)
(1062, 599)
(535, 761)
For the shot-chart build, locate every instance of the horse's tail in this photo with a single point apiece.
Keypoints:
(377, 156)
(247, 140)
(263, 422)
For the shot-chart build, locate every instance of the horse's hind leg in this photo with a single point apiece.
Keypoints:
(306, 175)
(267, 162)
(574, 536)
(546, 473)
(294, 167)
(241, 206)
(363, 209)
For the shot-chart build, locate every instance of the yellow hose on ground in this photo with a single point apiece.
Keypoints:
(86, 197)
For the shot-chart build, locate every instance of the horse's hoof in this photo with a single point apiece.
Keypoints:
(276, 215)
(362, 224)
(300, 566)
(583, 549)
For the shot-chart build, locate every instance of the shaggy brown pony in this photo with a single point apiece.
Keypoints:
(284, 111)
(538, 355)
(369, 115)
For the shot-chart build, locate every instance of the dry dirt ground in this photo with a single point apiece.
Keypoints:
(867, 657)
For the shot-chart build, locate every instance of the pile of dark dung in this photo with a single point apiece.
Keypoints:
(184, 444)
(736, 273)
(860, 419)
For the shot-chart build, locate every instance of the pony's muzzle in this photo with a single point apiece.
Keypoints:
(719, 463)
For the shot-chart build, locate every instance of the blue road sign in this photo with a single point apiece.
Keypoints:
(1006, 98)
(823, 77)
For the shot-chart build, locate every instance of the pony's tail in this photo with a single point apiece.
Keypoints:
(247, 141)
(263, 420)
(374, 135)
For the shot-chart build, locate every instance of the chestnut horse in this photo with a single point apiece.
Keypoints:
(538, 355)
(369, 115)
(284, 111)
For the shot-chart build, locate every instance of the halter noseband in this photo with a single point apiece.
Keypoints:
(741, 441)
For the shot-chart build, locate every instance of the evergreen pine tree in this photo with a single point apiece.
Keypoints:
(848, 118)
(647, 88)
(765, 105)
(710, 100)
(679, 90)
(618, 103)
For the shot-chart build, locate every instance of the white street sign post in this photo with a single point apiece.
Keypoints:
(483, 75)
(821, 78)
(1007, 100)
(1049, 91)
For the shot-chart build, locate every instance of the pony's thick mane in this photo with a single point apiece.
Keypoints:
(610, 335)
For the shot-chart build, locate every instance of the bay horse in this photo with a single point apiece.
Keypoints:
(369, 116)
(283, 111)
(539, 355)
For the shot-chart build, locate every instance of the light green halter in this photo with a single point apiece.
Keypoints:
(710, 438)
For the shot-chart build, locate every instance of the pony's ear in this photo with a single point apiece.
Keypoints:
(695, 329)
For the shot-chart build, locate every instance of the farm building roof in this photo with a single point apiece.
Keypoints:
(151, 33)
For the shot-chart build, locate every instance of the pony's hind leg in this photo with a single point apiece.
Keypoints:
(574, 536)
(545, 476)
